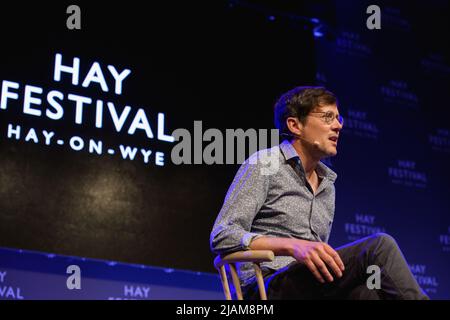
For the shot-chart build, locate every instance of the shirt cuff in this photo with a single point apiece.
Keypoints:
(248, 238)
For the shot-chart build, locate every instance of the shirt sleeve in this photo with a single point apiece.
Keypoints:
(245, 197)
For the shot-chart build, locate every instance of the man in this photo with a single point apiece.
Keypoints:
(290, 211)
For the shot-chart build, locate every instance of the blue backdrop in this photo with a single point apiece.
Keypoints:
(393, 158)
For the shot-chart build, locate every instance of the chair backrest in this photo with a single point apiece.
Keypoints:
(253, 256)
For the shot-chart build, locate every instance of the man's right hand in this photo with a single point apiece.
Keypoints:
(316, 256)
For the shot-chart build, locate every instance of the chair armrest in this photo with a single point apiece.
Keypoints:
(244, 256)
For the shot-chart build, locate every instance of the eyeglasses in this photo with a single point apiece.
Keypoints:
(329, 117)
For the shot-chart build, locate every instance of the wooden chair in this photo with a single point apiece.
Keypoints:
(253, 256)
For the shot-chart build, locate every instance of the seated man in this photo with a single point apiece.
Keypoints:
(290, 211)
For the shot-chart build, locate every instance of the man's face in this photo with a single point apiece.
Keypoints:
(316, 129)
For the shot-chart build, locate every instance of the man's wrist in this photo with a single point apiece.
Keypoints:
(289, 246)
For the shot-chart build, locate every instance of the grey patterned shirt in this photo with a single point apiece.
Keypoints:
(280, 203)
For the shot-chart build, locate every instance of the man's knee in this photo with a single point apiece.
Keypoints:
(385, 239)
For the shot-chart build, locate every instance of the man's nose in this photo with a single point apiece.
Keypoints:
(336, 125)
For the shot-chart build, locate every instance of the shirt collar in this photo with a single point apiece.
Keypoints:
(289, 152)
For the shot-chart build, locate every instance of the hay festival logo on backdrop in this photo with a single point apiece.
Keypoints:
(83, 111)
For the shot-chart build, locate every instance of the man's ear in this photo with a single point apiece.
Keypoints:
(294, 125)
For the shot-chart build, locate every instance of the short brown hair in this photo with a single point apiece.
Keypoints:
(299, 102)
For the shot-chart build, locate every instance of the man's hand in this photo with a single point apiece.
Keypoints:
(316, 256)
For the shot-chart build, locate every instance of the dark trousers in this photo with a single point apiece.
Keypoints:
(295, 281)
